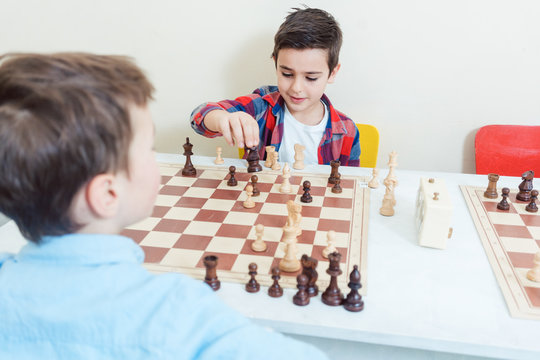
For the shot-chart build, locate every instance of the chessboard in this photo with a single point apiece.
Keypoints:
(198, 216)
(511, 239)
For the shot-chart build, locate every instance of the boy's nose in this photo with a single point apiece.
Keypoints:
(297, 85)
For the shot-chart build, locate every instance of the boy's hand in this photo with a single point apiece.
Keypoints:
(236, 127)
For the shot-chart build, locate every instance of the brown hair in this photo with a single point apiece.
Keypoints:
(310, 29)
(64, 118)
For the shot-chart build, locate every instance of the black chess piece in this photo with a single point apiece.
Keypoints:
(189, 169)
(306, 197)
(275, 290)
(532, 205)
(491, 191)
(252, 285)
(210, 263)
(309, 266)
(335, 170)
(232, 180)
(336, 189)
(353, 301)
(526, 186)
(332, 295)
(503, 204)
(254, 180)
(253, 160)
(301, 298)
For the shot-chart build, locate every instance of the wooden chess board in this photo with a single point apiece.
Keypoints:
(199, 216)
(510, 239)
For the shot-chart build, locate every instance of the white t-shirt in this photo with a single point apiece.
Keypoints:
(294, 132)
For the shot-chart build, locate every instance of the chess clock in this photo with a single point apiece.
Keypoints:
(433, 213)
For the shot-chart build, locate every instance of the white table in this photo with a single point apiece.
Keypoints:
(422, 303)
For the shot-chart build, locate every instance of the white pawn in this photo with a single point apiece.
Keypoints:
(298, 156)
(249, 203)
(534, 273)
(275, 161)
(259, 245)
(290, 263)
(219, 160)
(269, 156)
(286, 187)
(330, 238)
(374, 182)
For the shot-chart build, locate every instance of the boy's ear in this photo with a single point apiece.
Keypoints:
(333, 74)
(102, 195)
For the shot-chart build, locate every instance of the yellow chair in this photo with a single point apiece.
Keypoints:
(369, 145)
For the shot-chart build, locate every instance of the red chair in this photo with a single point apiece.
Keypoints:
(507, 149)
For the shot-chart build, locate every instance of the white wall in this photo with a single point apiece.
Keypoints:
(427, 73)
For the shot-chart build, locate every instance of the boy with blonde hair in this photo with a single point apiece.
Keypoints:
(77, 166)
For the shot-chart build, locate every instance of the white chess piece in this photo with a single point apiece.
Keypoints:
(290, 263)
(275, 161)
(286, 187)
(330, 239)
(387, 208)
(249, 203)
(299, 156)
(219, 160)
(269, 156)
(259, 245)
(374, 182)
(534, 273)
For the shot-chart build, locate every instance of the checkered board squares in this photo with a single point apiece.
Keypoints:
(202, 215)
(510, 238)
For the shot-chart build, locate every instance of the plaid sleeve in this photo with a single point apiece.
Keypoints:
(350, 146)
(251, 104)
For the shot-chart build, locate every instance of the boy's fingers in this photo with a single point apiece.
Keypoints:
(237, 132)
(226, 132)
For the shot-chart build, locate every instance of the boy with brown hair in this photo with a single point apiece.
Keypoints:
(77, 165)
(296, 111)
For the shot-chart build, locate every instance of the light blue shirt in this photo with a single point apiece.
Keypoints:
(88, 297)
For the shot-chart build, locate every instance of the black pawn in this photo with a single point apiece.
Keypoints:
(532, 205)
(503, 204)
(353, 301)
(253, 160)
(275, 290)
(252, 285)
(336, 189)
(302, 297)
(189, 169)
(306, 197)
(232, 180)
(256, 191)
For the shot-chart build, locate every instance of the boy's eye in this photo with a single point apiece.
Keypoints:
(312, 79)
(286, 74)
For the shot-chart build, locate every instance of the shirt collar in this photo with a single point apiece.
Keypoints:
(83, 249)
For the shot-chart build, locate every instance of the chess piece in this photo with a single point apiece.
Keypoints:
(259, 245)
(249, 203)
(289, 263)
(332, 295)
(269, 156)
(306, 197)
(254, 180)
(294, 216)
(353, 301)
(532, 205)
(335, 170)
(252, 285)
(219, 160)
(189, 169)
(210, 263)
(526, 186)
(301, 298)
(299, 156)
(336, 189)
(374, 182)
(330, 239)
(309, 268)
(275, 161)
(232, 180)
(275, 290)
(286, 187)
(491, 191)
(503, 204)
(387, 208)
(534, 273)
(392, 163)
(253, 160)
